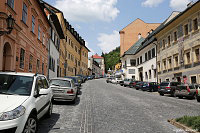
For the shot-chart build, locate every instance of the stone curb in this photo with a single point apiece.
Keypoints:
(179, 125)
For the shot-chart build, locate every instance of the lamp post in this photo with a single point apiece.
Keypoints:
(10, 24)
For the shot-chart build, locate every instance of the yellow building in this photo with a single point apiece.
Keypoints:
(178, 47)
(73, 52)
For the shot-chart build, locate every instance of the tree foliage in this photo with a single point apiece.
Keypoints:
(111, 59)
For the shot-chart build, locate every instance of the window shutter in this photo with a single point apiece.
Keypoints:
(161, 44)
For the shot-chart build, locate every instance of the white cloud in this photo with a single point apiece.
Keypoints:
(108, 42)
(151, 3)
(91, 50)
(179, 5)
(88, 10)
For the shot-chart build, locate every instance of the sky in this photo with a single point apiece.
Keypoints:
(98, 22)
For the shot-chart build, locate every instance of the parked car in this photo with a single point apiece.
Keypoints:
(185, 90)
(89, 77)
(132, 84)
(79, 79)
(63, 89)
(138, 85)
(108, 80)
(167, 87)
(114, 81)
(76, 83)
(121, 82)
(25, 98)
(118, 80)
(198, 93)
(150, 86)
(127, 82)
(82, 78)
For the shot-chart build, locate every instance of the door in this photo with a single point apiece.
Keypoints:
(40, 100)
(47, 97)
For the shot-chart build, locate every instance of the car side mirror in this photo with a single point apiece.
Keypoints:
(43, 92)
(36, 93)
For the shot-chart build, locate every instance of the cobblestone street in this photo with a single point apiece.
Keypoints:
(109, 108)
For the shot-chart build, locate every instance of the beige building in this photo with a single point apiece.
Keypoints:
(130, 34)
(178, 46)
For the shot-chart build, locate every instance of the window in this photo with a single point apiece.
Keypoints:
(43, 38)
(153, 53)
(146, 75)
(193, 79)
(186, 29)
(149, 74)
(39, 32)
(68, 56)
(72, 45)
(38, 66)
(66, 38)
(169, 41)
(22, 54)
(149, 54)
(133, 62)
(188, 57)
(39, 84)
(195, 24)
(30, 63)
(197, 54)
(176, 61)
(52, 35)
(164, 65)
(146, 57)
(158, 66)
(33, 24)
(75, 48)
(140, 59)
(170, 63)
(43, 68)
(45, 83)
(163, 43)
(11, 3)
(24, 13)
(175, 36)
(154, 73)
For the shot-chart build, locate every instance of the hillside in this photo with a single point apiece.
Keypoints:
(111, 59)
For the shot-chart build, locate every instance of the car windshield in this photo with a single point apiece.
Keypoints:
(60, 83)
(164, 84)
(15, 85)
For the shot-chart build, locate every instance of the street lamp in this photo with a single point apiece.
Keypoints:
(10, 24)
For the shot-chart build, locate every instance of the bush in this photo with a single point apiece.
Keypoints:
(190, 121)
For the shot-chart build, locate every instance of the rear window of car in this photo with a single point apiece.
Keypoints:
(164, 84)
(60, 83)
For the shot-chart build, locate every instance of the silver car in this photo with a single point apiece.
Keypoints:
(63, 89)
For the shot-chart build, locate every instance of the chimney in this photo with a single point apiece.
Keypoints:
(139, 36)
(190, 4)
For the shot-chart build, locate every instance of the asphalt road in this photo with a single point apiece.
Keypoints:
(110, 108)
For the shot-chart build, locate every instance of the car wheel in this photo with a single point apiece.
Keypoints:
(198, 99)
(180, 97)
(31, 125)
(172, 94)
(161, 94)
(74, 101)
(49, 112)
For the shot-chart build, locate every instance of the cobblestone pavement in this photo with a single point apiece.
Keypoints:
(110, 108)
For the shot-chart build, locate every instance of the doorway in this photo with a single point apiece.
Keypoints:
(7, 57)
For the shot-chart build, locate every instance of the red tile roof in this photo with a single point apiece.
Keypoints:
(96, 56)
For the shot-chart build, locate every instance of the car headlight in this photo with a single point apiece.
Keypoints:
(10, 115)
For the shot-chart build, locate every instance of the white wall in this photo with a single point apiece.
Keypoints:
(55, 55)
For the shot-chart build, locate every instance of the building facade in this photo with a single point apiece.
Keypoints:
(132, 32)
(54, 42)
(26, 48)
(100, 61)
(179, 47)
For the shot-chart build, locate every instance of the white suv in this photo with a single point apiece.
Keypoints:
(25, 98)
